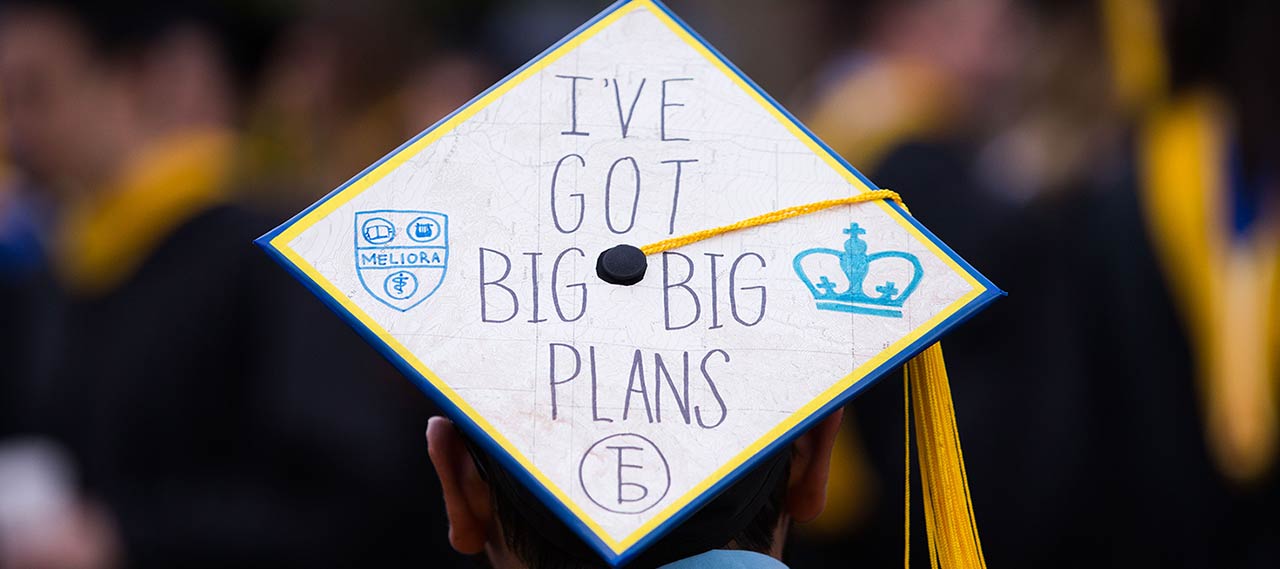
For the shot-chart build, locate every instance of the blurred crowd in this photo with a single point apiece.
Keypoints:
(170, 398)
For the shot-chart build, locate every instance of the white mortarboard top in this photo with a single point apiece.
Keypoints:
(468, 256)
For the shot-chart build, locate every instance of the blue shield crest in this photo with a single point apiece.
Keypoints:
(401, 256)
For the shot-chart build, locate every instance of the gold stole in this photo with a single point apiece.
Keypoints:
(103, 239)
(1225, 286)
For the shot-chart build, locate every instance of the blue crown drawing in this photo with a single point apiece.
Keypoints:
(856, 265)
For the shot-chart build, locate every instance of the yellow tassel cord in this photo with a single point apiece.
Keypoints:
(772, 217)
(949, 520)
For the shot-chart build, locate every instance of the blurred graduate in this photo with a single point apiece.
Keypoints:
(1176, 266)
(217, 415)
(947, 103)
(1132, 380)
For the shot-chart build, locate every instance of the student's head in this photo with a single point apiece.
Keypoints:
(492, 515)
(86, 83)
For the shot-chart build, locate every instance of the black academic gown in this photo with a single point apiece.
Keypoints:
(1076, 395)
(26, 299)
(1160, 499)
(1021, 408)
(227, 419)
(27, 294)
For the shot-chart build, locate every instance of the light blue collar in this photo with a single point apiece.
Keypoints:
(727, 559)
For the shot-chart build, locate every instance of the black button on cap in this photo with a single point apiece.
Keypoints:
(621, 265)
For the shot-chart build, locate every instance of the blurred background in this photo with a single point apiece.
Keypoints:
(170, 398)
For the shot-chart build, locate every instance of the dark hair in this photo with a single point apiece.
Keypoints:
(746, 514)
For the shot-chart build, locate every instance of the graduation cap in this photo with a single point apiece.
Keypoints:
(630, 276)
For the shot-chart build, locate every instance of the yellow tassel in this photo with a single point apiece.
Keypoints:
(949, 520)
